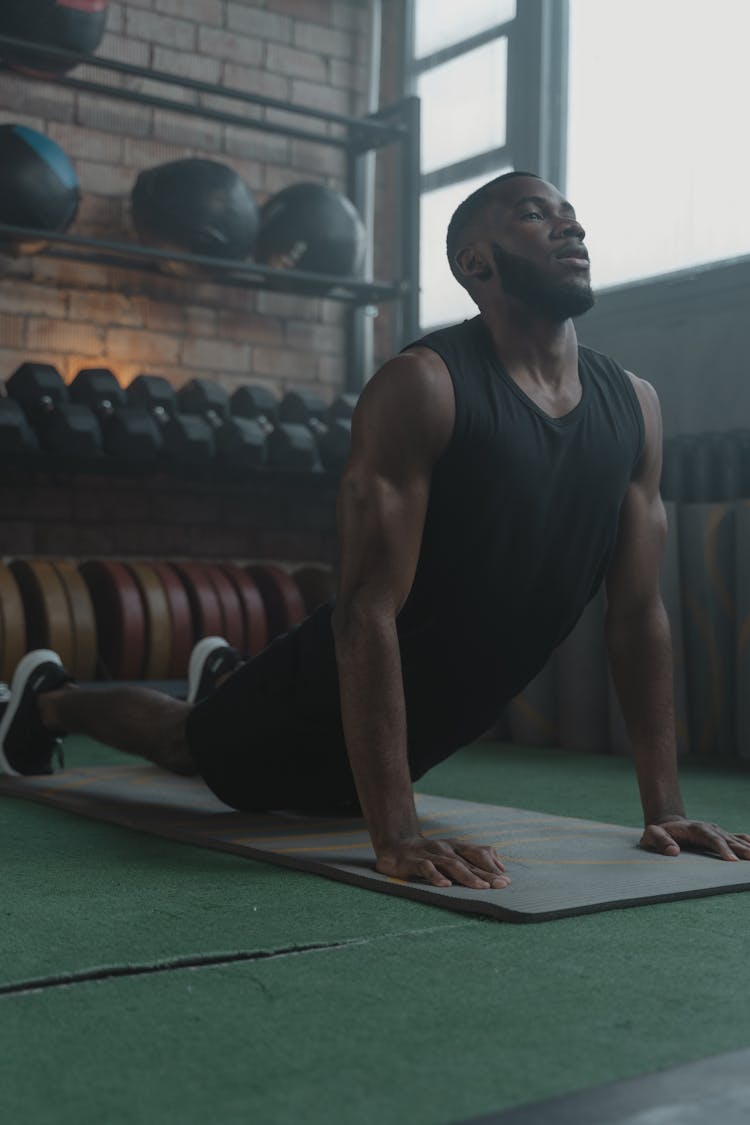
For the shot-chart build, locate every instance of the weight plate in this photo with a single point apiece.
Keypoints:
(158, 621)
(120, 618)
(12, 624)
(232, 615)
(204, 604)
(256, 621)
(48, 619)
(181, 620)
(283, 601)
(82, 617)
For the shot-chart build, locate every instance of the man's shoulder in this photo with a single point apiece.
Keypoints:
(604, 362)
(595, 354)
(447, 334)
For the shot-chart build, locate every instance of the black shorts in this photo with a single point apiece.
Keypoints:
(265, 740)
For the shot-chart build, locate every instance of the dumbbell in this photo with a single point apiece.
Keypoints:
(65, 429)
(240, 442)
(97, 388)
(188, 439)
(304, 408)
(155, 394)
(256, 403)
(336, 445)
(342, 407)
(289, 445)
(130, 433)
(18, 442)
(330, 426)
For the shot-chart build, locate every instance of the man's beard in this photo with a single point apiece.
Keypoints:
(550, 298)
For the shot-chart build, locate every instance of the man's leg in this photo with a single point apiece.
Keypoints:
(132, 719)
(44, 706)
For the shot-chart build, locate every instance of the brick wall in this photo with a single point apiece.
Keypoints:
(288, 518)
(308, 52)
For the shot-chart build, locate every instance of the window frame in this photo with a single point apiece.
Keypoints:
(536, 126)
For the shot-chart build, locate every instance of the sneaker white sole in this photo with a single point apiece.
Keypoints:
(23, 670)
(198, 657)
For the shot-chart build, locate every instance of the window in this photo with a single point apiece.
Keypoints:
(658, 161)
(443, 300)
(449, 133)
(441, 23)
(460, 73)
(487, 80)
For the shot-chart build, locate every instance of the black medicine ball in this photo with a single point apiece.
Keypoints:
(73, 25)
(311, 227)
(199, 206)
(38, 184)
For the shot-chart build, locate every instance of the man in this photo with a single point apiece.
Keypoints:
(499, 473)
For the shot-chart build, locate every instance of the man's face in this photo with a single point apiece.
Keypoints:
(538, 249)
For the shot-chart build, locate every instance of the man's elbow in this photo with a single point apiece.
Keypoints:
(643, 615)
(356, 618)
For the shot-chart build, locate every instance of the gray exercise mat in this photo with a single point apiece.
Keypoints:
(559, 865)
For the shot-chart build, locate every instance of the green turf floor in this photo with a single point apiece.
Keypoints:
(412, 1015)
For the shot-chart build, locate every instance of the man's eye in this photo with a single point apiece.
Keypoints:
(532, 215)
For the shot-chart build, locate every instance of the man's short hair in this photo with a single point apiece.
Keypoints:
(467, 211)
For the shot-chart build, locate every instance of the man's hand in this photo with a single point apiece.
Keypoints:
(667, 835)
(443, 862)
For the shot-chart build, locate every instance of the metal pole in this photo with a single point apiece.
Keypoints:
(361, 186)
(378, 130)
(409, 225)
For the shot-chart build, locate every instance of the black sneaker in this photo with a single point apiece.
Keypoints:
(27, 747)
(211, 659)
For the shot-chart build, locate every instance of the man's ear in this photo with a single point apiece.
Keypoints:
(472, 264)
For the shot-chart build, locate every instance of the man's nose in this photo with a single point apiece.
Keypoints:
(570, 228)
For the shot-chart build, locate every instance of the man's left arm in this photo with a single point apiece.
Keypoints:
(639, 645)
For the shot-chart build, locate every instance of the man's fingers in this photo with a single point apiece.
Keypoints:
(719, 842)
(485, 858)
(429, 871)
(739, 847)
(485, 863)
(462, 874)
(446, 870)
(696, 834)
(707, 836)
(439, 863)
(494, 878)
(740, 844)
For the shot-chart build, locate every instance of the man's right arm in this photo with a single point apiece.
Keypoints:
(402, 424)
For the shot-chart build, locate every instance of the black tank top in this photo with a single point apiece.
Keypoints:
(521, 525)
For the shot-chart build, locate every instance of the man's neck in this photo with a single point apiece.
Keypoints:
(544, 351)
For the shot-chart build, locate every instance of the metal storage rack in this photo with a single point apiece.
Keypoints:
(356, 136)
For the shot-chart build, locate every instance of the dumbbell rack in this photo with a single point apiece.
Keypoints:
(356, 136)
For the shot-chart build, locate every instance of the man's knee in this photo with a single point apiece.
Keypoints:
(171, 748)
